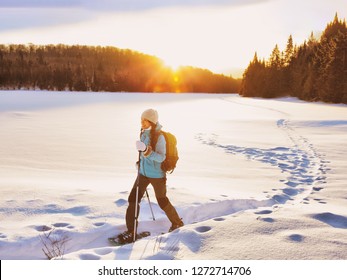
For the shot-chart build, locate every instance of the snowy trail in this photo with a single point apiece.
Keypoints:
(304, 168)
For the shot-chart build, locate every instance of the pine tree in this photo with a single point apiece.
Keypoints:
(254, 78)
(274, 74)
(275, 60)
(289, 52)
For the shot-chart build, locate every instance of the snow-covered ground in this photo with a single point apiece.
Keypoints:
(256, 179)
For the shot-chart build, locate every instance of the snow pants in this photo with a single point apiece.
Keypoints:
(159, 186)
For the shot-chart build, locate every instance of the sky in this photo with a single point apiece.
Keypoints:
(220, 35)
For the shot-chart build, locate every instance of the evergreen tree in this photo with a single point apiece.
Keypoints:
(316, 70)
(289, 52)
(253, 82)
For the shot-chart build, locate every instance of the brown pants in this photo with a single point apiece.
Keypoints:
(159, 186)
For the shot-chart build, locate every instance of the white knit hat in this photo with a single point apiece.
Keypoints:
(151, 115)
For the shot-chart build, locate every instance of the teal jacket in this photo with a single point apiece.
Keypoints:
(150, 165)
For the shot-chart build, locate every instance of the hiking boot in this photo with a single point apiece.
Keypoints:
(171, 213)
(176, 226)
(126, 237)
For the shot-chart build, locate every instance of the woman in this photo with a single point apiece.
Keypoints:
(152, 149)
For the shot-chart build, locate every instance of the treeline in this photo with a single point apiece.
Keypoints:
(314, 71)
(87, 68)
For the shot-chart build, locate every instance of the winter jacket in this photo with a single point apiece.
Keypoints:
(150, 165)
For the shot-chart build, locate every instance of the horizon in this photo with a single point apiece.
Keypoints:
(221, 36)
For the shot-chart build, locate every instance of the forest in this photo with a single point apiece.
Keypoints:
(313, 71)
(96, 68)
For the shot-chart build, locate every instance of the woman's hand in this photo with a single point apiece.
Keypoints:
(140, 146)
(148, 151)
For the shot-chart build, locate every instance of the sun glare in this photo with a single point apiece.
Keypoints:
(172, 63)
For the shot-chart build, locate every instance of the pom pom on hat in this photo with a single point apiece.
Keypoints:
(151, 115)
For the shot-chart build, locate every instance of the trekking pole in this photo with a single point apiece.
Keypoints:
(150, 205)
(136, 200)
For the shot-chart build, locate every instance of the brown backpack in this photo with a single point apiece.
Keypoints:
(169, 164)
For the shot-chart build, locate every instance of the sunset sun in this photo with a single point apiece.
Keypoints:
(173, 62)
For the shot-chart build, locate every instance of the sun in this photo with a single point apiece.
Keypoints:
(172, 63)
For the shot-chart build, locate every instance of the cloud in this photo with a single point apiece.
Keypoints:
(26, 14)
(26, 18)
(135, 5)
(120, 5)
(39, 3)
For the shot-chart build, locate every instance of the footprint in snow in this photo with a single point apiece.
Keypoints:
(103, 251)
(120, 202)
(89, 257)
(290, 191)
(203, 229)
(42, 228)
(99, 224)
(291, 184)
(59, 225)
(296, 237)
(319, 200)
(263, 212)
(268, 220)
(219, 219)
(281, 198)
(336, 221)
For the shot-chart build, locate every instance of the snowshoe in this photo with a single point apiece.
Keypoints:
(126, 238)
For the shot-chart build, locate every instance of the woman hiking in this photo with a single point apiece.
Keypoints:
(152, 149)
